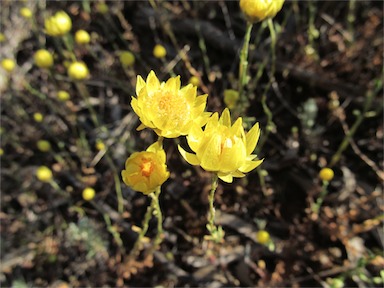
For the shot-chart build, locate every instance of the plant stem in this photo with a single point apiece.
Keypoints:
(136, 247)
(159, 216)
(211, 198)
(324, 191)
(270, 125)
(243, 68)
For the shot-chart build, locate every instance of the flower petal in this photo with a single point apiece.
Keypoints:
(189, 157)
(249, 166)
(225, 118)
(140, 83)
(252, 138)
(225, 177)
(153, 84)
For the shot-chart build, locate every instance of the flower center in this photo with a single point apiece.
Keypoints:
(146, 167)
(173, 107)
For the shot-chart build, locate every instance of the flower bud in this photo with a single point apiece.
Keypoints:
(258, 10)
(78, 71)
(43, 58)
(159, 51)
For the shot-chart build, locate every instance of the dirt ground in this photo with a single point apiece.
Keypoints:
(327, 111)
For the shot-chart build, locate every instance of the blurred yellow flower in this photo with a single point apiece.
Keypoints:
(88, 194)
(258, 10)
(100, 145)
(146, 171)
(8, 64)
(127, 58)
(326, 174)
(82, 37)
(43, 145)
(230, 98)
(58, 24)
(43, 58)
(194, 81)
(223, 148)
(63, 95)
(26, 12)
(78, 71)
(1, 152)
(44, 174)
(102, 8)
(262, 237)
(2, 37)
(38, 117)
(167, 109)
(159, 51)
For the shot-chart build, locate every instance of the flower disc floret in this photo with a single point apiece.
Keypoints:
(146, 171)
(167, 109)
(258, 10)
(223, 148)
(58, 24)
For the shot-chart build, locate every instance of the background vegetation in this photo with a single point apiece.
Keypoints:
(327, 110)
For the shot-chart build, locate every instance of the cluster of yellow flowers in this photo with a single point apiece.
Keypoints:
(173, 111)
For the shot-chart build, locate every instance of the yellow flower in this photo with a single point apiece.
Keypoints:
(38, 117)
(58, 24)
(262, 237)
(82, 37)
(326, 174)
(100, 145)
(194, 81)
(2, 37)
(258, 10)
(230, 98)
(159, 51)
(63, 95)
(26, 12)
(146, 171)
(44, 174)
(127, 58)
(88, 194)
(43, 145)
(8, 64)
(167, 109)
(43, 58)
(223, 148)
(78, 71)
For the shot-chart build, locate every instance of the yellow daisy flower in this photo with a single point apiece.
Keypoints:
(258, 10)
(145, 171)
(167, 109)
(223, 148)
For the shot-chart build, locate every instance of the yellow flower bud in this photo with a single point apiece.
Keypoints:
(127, 58)
(2, 37)
(159, 51)
(167, 109)
(230, 98)
(100, 145)
(88, 194)
(195, 81)
(26, 12)
(38, 117)
(58, 24)
(8, 64)
(326, 174)
(146, 171)
(44, 174)
(262, 237)
(82, 37)
(223, 148)
(258, 10)
(63, 95)
(78, 71)
(43, 145)
(1, 152)
(43, 58)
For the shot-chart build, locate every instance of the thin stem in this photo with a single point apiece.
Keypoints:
(159, 216)
(267, 111)
(345, 143)
(136, 247)
(211, 198)
(324, 191)
(243, 67)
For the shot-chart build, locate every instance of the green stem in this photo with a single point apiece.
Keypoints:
(243, 68)
(270, 125)
(324, 191)
(211, 198)
(145, 225)
(345, 143)
(159, 216)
